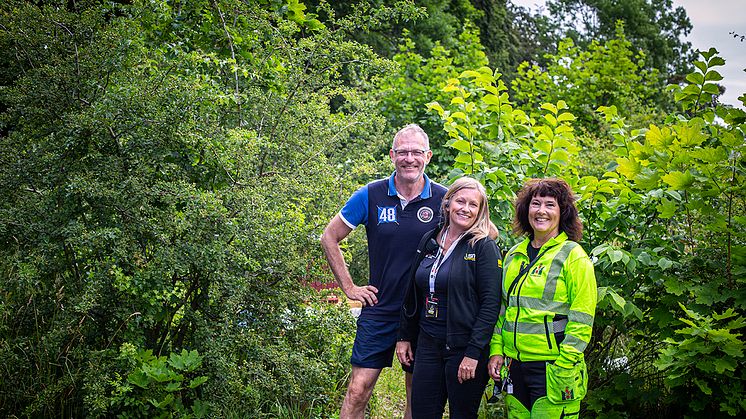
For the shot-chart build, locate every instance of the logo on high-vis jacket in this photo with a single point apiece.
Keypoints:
(567, 394)
(537, 270)
(425, 214)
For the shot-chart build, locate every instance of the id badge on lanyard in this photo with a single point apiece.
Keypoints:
(431, 302)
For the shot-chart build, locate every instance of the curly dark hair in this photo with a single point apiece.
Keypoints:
(557, 189)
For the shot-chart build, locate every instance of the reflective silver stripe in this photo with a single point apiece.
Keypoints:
(559, 325)
(525, 328)
(538, 304)
(575, 343)
(580, 317)
(556, 269)
(508, 258)
(499, 326)
(506, 261)
(534, 328)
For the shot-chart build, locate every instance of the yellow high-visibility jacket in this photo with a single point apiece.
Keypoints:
(555, 299)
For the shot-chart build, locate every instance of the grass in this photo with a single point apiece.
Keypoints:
(389, 398)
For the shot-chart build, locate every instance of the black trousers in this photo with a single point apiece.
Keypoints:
(529, 381)
(435, 380)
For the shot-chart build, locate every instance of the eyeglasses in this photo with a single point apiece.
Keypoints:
(413, 153)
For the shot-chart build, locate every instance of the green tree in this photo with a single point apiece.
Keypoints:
(653, 26)
(166, 169)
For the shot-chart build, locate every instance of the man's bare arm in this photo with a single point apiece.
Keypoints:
(335, 232)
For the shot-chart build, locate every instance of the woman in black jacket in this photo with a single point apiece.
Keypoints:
(451, 307)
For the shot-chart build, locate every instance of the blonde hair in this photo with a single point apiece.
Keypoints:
(481, 227)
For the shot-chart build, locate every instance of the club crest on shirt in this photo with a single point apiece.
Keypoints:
(425, 214)
(470, 256)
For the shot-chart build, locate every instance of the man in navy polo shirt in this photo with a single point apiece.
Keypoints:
(396, 212)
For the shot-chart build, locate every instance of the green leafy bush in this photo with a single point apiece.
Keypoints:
(159, 386)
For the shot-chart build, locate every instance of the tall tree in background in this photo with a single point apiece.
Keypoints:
(653, 26)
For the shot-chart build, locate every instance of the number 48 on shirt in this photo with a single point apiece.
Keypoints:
(387, 215)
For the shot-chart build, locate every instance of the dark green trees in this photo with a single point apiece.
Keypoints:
(166, 167)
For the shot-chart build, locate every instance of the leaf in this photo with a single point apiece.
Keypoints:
(618, 300)
(703, 386)
(695, 78)
(462, 145)
(549, 107)
(691, 135)
(163, 403)
(615, 255)
(678, 180)
(459, 115)
(645, 259)
(724, 364)
(627, 167)
(436, 106)
(463, 158)
(664, 263)
(566, 116)
(196, 382)
(713, 75)
(667, 208)
(491, 100)
(711, 88)
(139, 379)
(658, 137)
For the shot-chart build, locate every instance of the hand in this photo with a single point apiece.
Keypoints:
(495, 365)
(467, 369)
(365, 294)
(404, 352)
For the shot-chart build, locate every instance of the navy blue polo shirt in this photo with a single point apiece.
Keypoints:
(393, 235)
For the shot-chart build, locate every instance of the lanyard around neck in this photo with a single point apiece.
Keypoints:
(440, 257)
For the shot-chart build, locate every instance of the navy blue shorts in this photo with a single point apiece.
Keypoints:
(375, 342)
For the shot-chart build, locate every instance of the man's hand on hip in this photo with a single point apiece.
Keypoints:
(365, 294)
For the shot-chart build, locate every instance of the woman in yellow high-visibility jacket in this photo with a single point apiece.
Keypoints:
(548, 304)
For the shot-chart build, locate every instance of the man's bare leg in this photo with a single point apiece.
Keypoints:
(359, 391)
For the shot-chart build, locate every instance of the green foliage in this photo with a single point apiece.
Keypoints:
(402, 95)
(165, 170)
(602, 74)
(159, 386)
(499, 144)
(663, 226)
(709, 354)
(654, 26)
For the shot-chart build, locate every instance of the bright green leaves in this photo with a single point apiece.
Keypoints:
(678, 180)
(711, 350)
(499, 144)
(607, 297)
(700, 91)
(160, 385)
(295, 11)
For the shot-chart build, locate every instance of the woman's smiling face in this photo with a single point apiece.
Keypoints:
(544, 216)
(463, 208)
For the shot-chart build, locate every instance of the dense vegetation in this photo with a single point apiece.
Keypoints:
(166, 168)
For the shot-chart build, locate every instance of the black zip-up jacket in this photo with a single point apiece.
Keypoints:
(474, 285)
